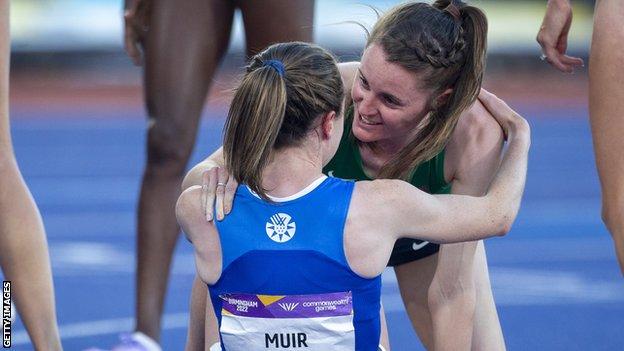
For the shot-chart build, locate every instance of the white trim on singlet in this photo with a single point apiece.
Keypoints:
(308, 189)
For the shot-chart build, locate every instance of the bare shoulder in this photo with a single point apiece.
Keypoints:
(372, 205)
(376, 196)
(477, 138)
(188, 208)
(476, 127)
(377, 190)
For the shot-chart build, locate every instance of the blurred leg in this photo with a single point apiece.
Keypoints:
(183, 48)
(24, 257)
(384, 339)
(23, 247)
(203, 330)
(275, 21)
(606, 111)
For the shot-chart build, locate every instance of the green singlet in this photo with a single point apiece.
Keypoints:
(429, 177)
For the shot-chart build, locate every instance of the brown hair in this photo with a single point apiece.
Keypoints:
(445, 43)
(286, 88)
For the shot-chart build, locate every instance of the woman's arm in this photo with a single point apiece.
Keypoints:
(203, 329)
(472, 158)
(201, 233)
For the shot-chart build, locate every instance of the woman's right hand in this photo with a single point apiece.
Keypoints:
(218, 188)
(509, 120)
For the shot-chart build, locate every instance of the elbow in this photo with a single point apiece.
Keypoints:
(504, 222)
(505, 226)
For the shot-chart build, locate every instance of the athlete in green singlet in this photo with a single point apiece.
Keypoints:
(429, 177)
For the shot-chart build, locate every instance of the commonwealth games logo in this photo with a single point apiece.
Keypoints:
(279, 228)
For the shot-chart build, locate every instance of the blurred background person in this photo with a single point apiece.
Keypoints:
(23, 246)
(606, 97)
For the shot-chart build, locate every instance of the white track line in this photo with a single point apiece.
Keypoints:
(103, 327)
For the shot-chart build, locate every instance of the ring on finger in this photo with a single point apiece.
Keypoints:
(220, 184)
(543, 57)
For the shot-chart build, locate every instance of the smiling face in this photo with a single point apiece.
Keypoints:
(388, 101)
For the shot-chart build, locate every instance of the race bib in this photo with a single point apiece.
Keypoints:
(318, 322)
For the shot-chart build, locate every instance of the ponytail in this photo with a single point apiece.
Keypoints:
(286, 89)
(253, 124)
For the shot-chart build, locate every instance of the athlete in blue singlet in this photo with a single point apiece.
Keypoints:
(297, 263)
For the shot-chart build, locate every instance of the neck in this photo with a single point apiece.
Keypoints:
(386, 148)
(291, 170)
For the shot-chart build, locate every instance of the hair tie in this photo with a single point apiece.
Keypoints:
(276, 65)
(453, 11)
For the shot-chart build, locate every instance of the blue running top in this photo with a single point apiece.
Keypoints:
(295, 247)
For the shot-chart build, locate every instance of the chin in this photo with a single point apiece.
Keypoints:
(363, 135)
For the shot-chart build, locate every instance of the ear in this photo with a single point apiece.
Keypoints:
(327, 124)
(442, 98)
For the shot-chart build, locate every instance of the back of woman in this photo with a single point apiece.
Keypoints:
(293, 250)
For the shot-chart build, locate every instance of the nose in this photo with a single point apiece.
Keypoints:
(365, 103)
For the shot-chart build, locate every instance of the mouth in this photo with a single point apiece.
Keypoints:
(367, 121)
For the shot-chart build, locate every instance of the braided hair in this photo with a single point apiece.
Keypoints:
(445, 44)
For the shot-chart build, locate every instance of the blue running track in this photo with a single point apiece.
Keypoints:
(555, 278)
